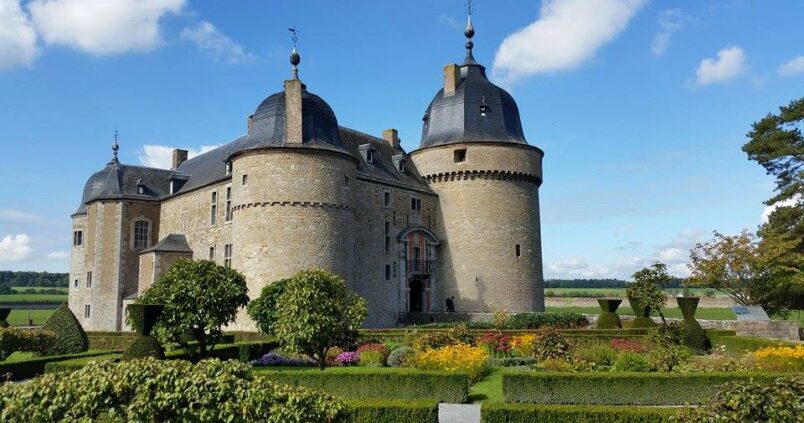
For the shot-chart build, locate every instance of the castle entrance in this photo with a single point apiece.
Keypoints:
(416, 295)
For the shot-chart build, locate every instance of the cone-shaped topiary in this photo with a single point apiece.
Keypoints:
(692, 334)
(609, 319)
(144, 346)
(143, 318)
(4, 312)
(642, 314)
(70, 336)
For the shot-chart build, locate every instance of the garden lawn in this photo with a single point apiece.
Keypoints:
(489, 388)
(20, 317)
(26, 289)
(32, 298)
(701, 313)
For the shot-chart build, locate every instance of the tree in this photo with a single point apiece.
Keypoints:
(647, 286)
(199, 297)
(263, 309)
(316, 312)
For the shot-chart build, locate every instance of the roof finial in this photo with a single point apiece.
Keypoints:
(295, 59)
(115, 148)
(469, 32)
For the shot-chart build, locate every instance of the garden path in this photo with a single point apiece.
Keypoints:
(459, 413)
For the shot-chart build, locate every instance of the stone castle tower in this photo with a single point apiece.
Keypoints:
(457, 218)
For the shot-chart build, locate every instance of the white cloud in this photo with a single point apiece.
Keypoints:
(215, 44)
(17, 36)
(15, 247)
(567, 33)
(730, 63)
(793, 67)
(58, 255)
(161, 156)
(449, 21)
(670, 22)
(671, 254)
(102, 27)
(790, 202)
(19, 216)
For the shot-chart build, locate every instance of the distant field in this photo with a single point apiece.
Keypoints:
(620, 292)
(28, 289)
(32, 298)
(701, 313)
(20, 317)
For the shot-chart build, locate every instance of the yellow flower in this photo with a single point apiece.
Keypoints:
(780, 358)
(459, 358)
(522, 345)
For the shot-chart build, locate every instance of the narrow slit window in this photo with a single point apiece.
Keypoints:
(518, 250)
(87, 311)
(228, 204)
(213, 208)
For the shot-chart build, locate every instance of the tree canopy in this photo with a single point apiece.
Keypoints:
(646, 289)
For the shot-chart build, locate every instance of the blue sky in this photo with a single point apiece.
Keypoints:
(641, 106)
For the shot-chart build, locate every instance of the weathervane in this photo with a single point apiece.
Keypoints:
(115, 147)
(295, 59)
(469, 32)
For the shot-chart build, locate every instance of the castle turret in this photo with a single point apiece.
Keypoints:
(474, 155)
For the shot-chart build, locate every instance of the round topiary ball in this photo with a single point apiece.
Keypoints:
(399, 356)
(144, 346)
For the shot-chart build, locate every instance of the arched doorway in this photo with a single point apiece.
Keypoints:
(416, 295)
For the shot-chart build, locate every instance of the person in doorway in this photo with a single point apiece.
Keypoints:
(451, 304)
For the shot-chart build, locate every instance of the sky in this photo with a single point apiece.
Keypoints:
(641, 106)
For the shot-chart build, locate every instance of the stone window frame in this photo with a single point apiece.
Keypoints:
(228, 215)
(213, 208)
(76, 282)
(87, 311)
(89, 279)
(148, 236)
(387, 199)
(212, 253)
(227, 255)
(415, 204)
(387, 272)
(78, 238)
(459, 155)
(518, 250)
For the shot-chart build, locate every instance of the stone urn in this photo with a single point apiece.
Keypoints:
(143, 318)
(608, 318)
(642, 313)
(692, 334)
(4, 312)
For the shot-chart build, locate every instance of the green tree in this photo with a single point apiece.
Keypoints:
(647, 286)
(263, 309)
(200, 297)
(316, 312)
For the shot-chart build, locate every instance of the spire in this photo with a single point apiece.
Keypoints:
(295, 59)
(115, 149)
(469, 32)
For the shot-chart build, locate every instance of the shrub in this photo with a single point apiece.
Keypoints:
(620, 345)
(511, 361)
(460, 358)
(78, 363)
(462, 334)
(373, 354)
(392, 411)
(152, 390)
(144, 346)
(347, 358)
(434, 340)
(522, 345)
(556, 320)
(597, 354)
(550, 344)
(32, 367)
(495, 344)
(780, 359)
(779, 401)
(70, 336)
(499, 317)
(665, 358)
(263, 309)
(631, 362)
(401, 357)
(608, 318)
(526, 413)
(143, 317)
(35, 341)
(738, 345)
(273, 359)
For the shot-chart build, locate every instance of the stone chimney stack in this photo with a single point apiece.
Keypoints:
(179, 157)
(391, 135)
(293, 111)
(452, 76)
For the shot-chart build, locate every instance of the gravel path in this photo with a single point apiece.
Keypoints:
(459, 413)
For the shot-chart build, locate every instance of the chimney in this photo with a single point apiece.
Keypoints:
(293, 111)
(452, 76)
(391, 135)
(179, 157)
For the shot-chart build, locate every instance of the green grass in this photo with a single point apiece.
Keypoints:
(701, 313)
(489, 388)
(27, 289)
(20, 317)
(31, 298)
(620, 292)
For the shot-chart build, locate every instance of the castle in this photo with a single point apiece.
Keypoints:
(457, 219)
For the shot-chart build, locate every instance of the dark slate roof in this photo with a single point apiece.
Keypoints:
(118, 181)
(457, 118)
(172, 243)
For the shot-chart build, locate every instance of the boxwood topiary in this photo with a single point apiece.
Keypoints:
(70, 336)
(399, 356)
(4, 312)
(692, 334)
(144, 346)
(609, 319)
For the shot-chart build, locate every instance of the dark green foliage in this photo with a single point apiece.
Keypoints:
(78, 363)
(372, 383)
(35, 341)
(550, 344)
(4, 312)
(511, 361)
(492, 412)
(780, 401)
(144, 346)
(556, 320)
(620, 388)
(643, 322)
(692, 334)
(143, 317)
(609, 305)
(737, 345)
(609, 321)
(242, 351)
(642, 314)
(27, 369)
(71, 338)
(399, 356)
(392, 411)
(688, 305)
(631, 362)
(110, 340)
(43, 279)
(263, 309)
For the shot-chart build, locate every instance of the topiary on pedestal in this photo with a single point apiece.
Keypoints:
(609, 319)
(642, 314)
(4, 312)
(692, 334)
(142, 318)
(70, 336)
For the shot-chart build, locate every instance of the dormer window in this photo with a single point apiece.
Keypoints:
(402, 167)
(228, 168)
(368, 152)
(400, 162)
(369, 156)
(140, 187)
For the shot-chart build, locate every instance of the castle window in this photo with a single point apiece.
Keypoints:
(227, 255)
(402, 167)
(387, 237)
(142, 234)
(388, 272)
(140, 189)
(459, 155)
(213, 208)
(212, 253)
(75, 283)
(415, 204)
(245, 179)
(89, 279)
(517, 250)
(78, 238)
(87, 311)
(369, 156)
(173, 187)
(228, 217)
(345, 180)
(386, 199)
(228, 168)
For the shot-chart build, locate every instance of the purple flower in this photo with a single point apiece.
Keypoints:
(349, 358)
(272, 359)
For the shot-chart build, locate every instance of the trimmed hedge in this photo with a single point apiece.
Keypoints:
(526, 413)
(110, 340)
(144, 346)
(519, 321)
(620, 388)
(392, 411)
(377, 383)
(242, 336)
(77, 363)
(27, 369)
(71, 337)
(243, 351)
(737, 345)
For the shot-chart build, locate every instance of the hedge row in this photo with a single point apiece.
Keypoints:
(526, 413)
(377, 383)
(737, 345)
(27, 369)
(242, 351)
(77, 363)
(242, 336)
(619, 388)
(110, 340)
(392, 411)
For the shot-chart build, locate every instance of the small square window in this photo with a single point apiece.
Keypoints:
(459, 155)
(75, 283)
(415, 204)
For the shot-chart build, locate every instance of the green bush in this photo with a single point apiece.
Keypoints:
(608, 320)
(153, 390)
(78, 363)
(434, 340)
(26, 369)
(392, 411)
(143, 317)
(372, 359)
(526, 413)
(601, 355)
(372, 383)
(242, 351)
(144, 346)
(779, 401)
(620, 388)
(110, 340)
(35, 341)
(71, 337)
(550, 345)
(400, 356)
(263, 309)
(556, 320)
(511, 361)
(631, 362)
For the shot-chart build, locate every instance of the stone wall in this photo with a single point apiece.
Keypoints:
(78, 294)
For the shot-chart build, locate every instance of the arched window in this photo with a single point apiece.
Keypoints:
(142, 234)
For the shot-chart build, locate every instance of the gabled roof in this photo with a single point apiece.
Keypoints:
(172, 243)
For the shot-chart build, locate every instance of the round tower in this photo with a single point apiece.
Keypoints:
(291, 185)
(474, 155)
